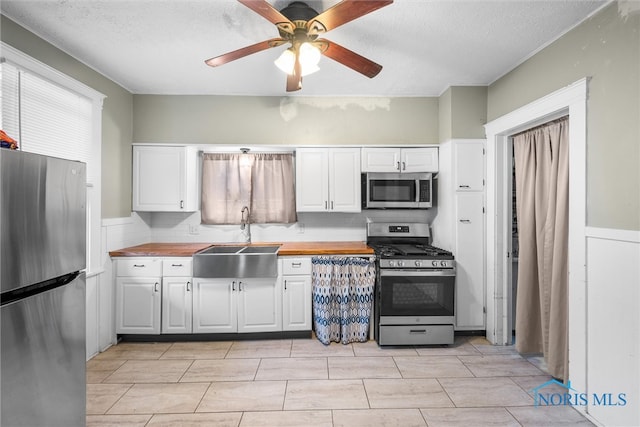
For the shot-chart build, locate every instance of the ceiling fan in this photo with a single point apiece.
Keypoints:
(301, 26)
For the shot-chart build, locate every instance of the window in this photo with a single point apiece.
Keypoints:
(262, 182)
(52, 114)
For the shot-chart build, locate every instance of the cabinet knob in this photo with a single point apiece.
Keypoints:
(285, 285)
(465, 221)
(181, 204)
(176, 265)
(138, 265)
(188, 283)
(233, 285)
(155, 287)
(398, 165)
(463, 186)
(404, 166)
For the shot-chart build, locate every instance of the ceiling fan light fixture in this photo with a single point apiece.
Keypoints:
(309, 58)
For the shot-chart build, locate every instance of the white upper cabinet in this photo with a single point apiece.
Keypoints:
(165, 178)
(328, 180)
(403, 160)
(469, 165)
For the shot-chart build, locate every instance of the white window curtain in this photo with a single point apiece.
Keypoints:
(542, 202)
(262, 182)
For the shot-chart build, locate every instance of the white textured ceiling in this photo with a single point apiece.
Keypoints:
(425, 46)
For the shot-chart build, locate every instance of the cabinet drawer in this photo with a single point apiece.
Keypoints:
(142, 267)
(176, 267)
(296, 266)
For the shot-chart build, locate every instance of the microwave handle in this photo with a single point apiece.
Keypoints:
(417, 190)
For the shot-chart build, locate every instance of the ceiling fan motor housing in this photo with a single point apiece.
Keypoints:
(299, 11)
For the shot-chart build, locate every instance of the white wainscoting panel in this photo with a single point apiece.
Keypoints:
(613, 317)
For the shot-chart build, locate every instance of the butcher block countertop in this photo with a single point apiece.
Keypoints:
(286, 249)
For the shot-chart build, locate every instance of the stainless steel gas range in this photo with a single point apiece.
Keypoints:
(415, 289)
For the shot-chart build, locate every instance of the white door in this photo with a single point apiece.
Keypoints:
(176, 305)
(215, 305)
(138, 301)
(419, 160)
(312, 180)
(344, 180)
(296, 303)
(259, 305)
(469, 227)
(159, 178)
(469, 174)
(380, 159)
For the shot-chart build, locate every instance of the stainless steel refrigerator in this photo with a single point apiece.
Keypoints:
(42, 258)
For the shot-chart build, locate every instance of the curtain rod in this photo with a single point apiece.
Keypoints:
(549, 123)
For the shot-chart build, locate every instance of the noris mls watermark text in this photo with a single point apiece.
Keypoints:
(555, 393)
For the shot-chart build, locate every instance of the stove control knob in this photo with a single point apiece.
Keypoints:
(392, 263)
(443, 263)
(434, 263)
(418, 264)
(400, 263)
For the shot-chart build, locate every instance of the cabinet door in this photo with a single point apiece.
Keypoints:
(344, 180)
(419, 159)
(164, 178)
(138, 302)
(312, 180)
(259, 305)
(469, 166)
(214, 305)
(296, 303)
(380, 159)
(469, 252)
(176, 305)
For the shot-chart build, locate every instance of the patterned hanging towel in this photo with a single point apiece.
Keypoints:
(342, 298)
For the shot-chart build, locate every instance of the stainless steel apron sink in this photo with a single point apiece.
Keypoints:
(236, 262)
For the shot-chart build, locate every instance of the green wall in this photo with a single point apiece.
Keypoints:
(463, 112)
(605, 48)
(117, 117)
(251, 120)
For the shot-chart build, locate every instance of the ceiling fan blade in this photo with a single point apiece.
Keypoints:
(264, 9)
(241, 53)
(294, 81)
(343, 12)
(349, 58)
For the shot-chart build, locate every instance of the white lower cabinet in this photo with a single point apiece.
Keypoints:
(237, 305)
(176, 305)
(296, 293)
(469, 253)
(158, 295)
(215, 306)
(177, 301)
(138, 295)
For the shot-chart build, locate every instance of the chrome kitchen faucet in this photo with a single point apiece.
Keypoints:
(245, 224)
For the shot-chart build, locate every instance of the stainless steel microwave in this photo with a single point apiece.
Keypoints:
(397, 190)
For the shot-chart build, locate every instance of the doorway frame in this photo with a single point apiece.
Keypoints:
(570, 100)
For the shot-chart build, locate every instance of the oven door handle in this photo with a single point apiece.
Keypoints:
(416, 273)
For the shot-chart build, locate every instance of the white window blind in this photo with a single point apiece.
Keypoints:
(54, 121)
(9, 97)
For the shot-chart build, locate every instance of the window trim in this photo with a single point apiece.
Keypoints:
(31, 65)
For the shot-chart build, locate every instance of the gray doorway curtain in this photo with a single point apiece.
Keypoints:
(541, 158)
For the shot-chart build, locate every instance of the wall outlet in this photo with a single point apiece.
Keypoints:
(194, 229)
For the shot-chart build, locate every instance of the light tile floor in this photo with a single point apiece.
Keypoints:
(302, 382)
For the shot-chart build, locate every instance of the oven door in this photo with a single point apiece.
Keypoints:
(416, 297)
